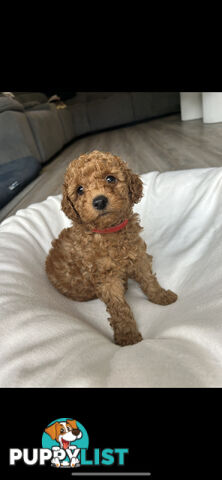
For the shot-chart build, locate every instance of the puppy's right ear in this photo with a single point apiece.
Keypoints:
(67, 205)
(51, 430)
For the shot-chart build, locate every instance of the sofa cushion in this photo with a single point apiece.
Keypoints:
(111, 111)
(9, 103)
(16, 137)
(15, 175)
(65, 117)
(27, 97)
(31, 104)
(153, 104)
(47, 130)
(80, 121)
(84, 97)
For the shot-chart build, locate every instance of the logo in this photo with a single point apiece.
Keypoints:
(65, 442)
(65, 437)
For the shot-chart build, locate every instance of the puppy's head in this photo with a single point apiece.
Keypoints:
(64, 432)
(99, 190)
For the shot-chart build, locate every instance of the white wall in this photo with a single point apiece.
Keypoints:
(205, 105)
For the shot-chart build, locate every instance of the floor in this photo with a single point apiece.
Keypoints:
(161, 144)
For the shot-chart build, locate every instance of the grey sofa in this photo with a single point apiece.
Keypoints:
(47, 130)
(45, 123)
(101, 110)
(16, 139)
(32, 127)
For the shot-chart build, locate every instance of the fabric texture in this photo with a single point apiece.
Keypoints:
(48, 340)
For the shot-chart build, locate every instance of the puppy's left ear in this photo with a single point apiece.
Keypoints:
(135, 186)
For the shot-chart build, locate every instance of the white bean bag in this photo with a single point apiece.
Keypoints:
(47, 340)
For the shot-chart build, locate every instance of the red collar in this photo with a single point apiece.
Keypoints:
(112, 229)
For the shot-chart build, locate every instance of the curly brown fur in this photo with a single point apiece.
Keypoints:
(84, 265)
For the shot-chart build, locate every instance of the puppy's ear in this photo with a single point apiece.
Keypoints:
(51, 430)
(72, 423)
(67, 205)
(135, 186)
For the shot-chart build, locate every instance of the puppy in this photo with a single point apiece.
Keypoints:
(64, 433)
(96, 256)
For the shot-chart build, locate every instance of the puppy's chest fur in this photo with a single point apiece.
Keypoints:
(107, 253)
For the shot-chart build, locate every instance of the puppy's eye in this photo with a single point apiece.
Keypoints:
(62, 430)
(80, 190)
(111, 179)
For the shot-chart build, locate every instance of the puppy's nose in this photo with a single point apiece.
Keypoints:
(75, 431)
(100, 202)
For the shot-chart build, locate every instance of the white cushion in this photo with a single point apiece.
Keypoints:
(47, 340)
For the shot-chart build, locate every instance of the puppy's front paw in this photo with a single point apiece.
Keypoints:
(171, 297)
(163, 297)
(127, 338)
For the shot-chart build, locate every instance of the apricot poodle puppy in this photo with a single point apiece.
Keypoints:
(95, 257)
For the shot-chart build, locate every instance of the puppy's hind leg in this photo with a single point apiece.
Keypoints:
(67, 278)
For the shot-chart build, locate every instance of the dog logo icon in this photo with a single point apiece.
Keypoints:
(65, 437)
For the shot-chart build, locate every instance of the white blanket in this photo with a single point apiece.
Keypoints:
(47, 340)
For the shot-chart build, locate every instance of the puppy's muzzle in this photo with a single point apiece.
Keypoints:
(100, 202)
